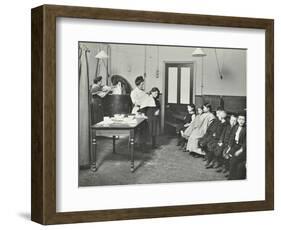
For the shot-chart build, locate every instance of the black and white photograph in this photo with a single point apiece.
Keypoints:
(161, 114)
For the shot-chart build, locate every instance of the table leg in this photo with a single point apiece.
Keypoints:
(129, 146)
(114, 140)
(94, 149)
(131, 149)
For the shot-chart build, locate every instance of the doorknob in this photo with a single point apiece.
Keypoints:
(167, 106)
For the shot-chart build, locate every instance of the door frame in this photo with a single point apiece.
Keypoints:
(164, 96)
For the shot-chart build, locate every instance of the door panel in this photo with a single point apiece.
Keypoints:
(172, 84)
(185, 85)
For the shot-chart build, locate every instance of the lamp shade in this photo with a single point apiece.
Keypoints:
(198, 52)
(101, 55)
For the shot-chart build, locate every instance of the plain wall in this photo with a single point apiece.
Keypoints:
(131, 61)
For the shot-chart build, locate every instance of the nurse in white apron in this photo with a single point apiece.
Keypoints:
(139, 98)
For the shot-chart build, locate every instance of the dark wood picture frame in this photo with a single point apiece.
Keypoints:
(43, 188)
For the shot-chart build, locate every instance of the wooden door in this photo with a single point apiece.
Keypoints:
(178, 92)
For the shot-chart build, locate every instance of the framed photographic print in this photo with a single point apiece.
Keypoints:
(139, 114)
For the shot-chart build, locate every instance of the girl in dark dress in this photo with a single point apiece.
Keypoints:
(98, 92)
(153, 117)
(154, 125)
(189, 117)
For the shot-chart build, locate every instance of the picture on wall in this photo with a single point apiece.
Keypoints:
(161, 114)
(141, 104)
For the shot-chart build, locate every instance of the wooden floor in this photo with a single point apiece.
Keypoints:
(164, 165)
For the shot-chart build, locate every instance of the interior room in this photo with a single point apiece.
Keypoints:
(184, 76)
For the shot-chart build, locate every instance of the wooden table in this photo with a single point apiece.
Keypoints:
(114, 129)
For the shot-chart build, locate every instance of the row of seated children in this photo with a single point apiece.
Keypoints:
(221, 139)
(197, 128)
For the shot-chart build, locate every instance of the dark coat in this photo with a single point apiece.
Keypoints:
(187, 119)
(241, 139)
(237, 164)
(224, 139)
(226, 133)
(211, 133)
(234, 146)
(215, 136)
